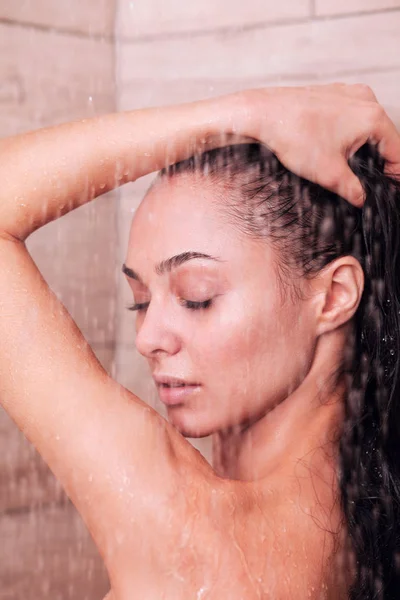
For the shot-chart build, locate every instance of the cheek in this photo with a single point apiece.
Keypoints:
(265, 343)
(234, 337)
(248, 340)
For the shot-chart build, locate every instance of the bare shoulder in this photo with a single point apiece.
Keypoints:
(241, 541)
(191, 545)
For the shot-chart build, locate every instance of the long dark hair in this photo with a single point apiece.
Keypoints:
(312, 226)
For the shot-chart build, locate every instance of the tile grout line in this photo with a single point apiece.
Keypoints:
(177, 35)
(260, 25)
(98, 37)
(281, 78)
(343, 73)
(40, 507)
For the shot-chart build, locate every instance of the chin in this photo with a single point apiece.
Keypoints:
(189, 427)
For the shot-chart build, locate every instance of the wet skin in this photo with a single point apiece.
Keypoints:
(250, 398)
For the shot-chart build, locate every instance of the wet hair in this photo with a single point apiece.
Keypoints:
(311, 226)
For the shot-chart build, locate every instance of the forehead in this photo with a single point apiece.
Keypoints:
(178, 214)
(186, 213)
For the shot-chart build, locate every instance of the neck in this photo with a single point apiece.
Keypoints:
(303, 427)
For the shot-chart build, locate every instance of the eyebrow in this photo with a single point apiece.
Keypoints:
(166, 266)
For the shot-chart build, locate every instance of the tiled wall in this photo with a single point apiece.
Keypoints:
(90, 18)
(57, 64)
(171, 51)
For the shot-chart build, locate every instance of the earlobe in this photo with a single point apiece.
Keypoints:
(342, 284)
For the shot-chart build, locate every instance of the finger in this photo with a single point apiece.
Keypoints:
(341, 180)
(353, 190)
(386, 136)
(350, 187)
(359, 90)
(353, 90)
(393, 170)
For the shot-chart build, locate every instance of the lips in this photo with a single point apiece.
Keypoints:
(168, 381)
(172, 385)
(173, 390)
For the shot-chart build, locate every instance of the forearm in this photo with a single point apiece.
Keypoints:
(45, 174)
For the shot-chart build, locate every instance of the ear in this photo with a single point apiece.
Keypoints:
(340, 286)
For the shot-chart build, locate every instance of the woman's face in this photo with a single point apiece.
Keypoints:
(219, 322)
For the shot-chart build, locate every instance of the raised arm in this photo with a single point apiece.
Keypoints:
(313, 130)
(47, 173)
(115, 456)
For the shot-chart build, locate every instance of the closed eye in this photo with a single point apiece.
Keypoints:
(196, 305)
(191, 305)
(137, 306)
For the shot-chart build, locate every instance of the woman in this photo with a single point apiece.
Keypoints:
(166, 523)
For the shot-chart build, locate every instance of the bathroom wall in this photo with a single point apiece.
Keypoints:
(170, 51)
(57, 64)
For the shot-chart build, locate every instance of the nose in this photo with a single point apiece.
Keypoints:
(155, 332)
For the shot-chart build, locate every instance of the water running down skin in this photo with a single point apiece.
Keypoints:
(166, 524)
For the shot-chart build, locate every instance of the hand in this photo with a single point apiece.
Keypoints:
(314, 130)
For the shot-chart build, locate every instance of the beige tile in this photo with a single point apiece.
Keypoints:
(76, 253)
(25, 479)
(130, 200)
(77, 256)
(125, 332)
(204, 446)
(154, 17)
(156, 93)
(89, 17)
(301, 52)
(133, 372)
(47, 78)
(106, 356)
(48, 554)
(336, 7)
